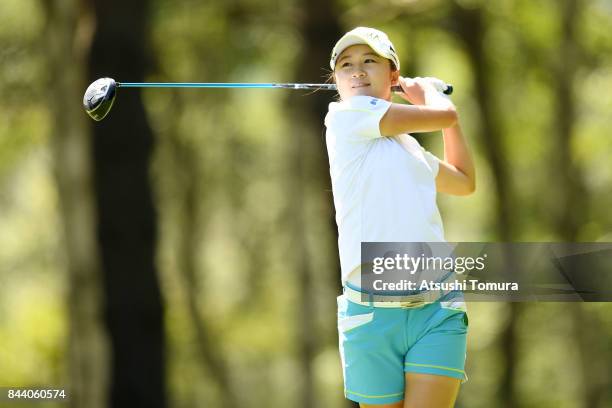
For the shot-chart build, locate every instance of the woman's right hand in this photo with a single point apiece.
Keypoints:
(414, 89)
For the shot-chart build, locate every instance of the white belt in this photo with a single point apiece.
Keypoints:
(405, 301)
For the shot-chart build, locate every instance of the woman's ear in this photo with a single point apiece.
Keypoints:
(395, 74)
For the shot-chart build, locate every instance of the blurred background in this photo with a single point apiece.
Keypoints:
(183, 252)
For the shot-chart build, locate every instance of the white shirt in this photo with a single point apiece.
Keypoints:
(384, 187)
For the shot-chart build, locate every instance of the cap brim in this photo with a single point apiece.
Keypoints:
(354, 39)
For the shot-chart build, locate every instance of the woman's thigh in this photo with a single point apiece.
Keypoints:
(425, 391)
(430, 391)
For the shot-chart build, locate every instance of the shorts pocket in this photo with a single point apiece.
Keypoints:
(463, 317)
(459, 307)
(352, 322)
(352, 315)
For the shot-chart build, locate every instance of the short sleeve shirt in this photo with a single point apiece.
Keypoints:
(384, 187)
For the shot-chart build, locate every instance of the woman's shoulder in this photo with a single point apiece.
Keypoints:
(356, 109)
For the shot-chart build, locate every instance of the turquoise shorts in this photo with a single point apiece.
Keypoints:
(378, 345)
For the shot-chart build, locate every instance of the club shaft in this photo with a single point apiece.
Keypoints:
(321, 87)
(223, 85)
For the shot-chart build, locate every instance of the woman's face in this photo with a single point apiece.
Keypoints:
(360, 71)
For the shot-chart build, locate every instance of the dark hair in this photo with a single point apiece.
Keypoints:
(329, 78)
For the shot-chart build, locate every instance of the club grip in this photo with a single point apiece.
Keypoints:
(447, 91)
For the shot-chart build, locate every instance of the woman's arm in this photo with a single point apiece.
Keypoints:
(415, 118)
(433, 111)
(456, 174)
(429, 111)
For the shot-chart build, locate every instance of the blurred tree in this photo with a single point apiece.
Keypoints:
(68, 37)
(190, 182)
(309, 174)
(127, 229)
(575, 197)
(470, 23)
(569, 179)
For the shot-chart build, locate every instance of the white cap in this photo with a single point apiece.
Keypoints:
(376, 39)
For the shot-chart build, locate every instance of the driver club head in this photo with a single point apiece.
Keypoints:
(99, 98)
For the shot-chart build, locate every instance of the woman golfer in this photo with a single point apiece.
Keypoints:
(394, 354)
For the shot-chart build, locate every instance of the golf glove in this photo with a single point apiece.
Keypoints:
(433, 88)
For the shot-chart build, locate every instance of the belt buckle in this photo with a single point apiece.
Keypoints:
(411, 304)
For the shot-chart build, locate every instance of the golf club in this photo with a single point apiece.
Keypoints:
(101, 94)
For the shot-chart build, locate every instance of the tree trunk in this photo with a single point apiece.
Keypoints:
(587, 328)
(567, 172)
(309, 172)
(320, 29)
(67, 38)
(470, 25)
(127, 228)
